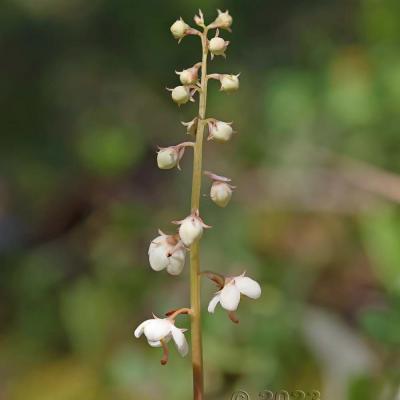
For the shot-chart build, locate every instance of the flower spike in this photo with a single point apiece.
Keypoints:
(168, 251)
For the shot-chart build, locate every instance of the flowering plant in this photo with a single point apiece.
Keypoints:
(168, 251)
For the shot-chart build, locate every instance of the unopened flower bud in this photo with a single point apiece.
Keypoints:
(191, 126)
(229, 83)
(179, 28)
(167, 157)
(221, 189)
(199, 19)
(167, 252)
(219, 131)
(221, 193)
(191, 228)
(180, 94)
(217, 46)
(189, 76)
(223, 20)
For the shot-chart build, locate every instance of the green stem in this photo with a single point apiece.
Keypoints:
(197, 352)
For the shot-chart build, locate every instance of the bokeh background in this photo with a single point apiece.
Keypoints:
(315, 217)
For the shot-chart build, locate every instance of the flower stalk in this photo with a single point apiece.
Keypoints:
(197, 346)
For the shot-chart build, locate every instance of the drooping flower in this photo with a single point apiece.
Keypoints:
(217, 45)
(191, 228)
(169, 157)
(221, 190)
(189, 76)
(219, 131)
(229, 83)
(181, 94)
(167, 252)
(224, 20)
(229, 294)
(221, 193)
(159, 331)
(179, 29)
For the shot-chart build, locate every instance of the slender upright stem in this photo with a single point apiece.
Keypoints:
(197, 352)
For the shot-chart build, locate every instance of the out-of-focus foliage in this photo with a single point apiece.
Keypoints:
(83, 106)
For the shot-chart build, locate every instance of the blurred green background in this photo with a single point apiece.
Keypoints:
(315, 217)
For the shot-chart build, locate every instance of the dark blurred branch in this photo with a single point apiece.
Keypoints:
(333, 183)
(368, 177)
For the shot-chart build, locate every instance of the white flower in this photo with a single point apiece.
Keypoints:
(181, 94)
(191, 228)
(217, 45)
(167, 252)
(221, 193)
(167, 157)
(229, 295)
(189, 76)
(221, 189)
(219, 131)
(223, 20)
(158, 332)
(229, 83)
(179, 28)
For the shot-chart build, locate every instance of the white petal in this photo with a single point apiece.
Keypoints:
(213, 303)
(157, 242)
(190, 230)
(220, 193)
(139, 330)
(230, 297)
(158, 254)
(180, 341)
(158, 260)
(157, 329)
(157, 343)
(247, 286)
(176, 262)
(154, 344)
